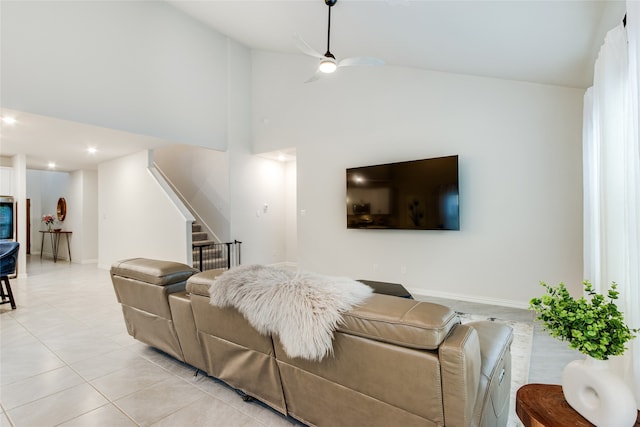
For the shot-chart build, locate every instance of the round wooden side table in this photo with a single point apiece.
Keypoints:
(543, 405)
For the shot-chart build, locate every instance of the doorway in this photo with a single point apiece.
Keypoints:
(28, 223)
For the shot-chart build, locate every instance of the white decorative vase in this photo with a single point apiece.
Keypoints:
(597, 394)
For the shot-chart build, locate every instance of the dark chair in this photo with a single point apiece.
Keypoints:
(8, 262)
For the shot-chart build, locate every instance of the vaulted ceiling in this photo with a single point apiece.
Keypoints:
(545, 41)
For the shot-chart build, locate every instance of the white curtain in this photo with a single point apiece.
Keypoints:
(611, 170)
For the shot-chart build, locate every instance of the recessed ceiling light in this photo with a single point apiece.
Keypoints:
(51, 165)
(282, 157)
(8, 120)
(92, 150)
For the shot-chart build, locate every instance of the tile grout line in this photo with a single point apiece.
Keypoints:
(66, 364)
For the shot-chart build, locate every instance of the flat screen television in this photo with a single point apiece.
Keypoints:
(413, 195)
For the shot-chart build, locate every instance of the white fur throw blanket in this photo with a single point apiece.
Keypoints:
(301, 308)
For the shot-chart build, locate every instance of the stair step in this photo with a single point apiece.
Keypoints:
(196, 227)
(207, 253)
(205, 260)
(199, 236)
(208, 242)
(211, 264)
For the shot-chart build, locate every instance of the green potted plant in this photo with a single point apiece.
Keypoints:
(593, 325)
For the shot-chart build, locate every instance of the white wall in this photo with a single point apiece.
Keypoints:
(6, 180)
(254, 181)
(34, 190)
(137, 66)
(258, 207)
(520, 173)
(291, 209)
(84, 211)
(19, 178)
(136, 217)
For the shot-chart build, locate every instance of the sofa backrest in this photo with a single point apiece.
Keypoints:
(364, 379)
(234, 351)
(400, 321)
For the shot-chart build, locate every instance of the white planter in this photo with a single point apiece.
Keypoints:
(598, 394)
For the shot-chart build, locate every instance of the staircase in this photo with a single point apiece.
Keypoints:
(206, 247)
(209, 254)
(199, 236)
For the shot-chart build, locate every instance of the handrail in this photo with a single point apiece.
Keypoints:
(190, 208)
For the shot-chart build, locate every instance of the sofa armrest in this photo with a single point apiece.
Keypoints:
(461, 364)
(492, 407)
(156, 272)
(476, 374)
(146, 283)
(142, 287)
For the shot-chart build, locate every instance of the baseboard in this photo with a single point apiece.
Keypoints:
(286, 264)
(460, 297)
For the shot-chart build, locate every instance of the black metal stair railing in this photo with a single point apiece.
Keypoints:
(208, 255)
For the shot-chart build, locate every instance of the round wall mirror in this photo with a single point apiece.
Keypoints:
(62, 209)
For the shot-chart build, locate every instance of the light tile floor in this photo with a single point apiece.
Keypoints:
(66, 359)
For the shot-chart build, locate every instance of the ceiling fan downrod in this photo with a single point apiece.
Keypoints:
(329, 64)
(329, 3)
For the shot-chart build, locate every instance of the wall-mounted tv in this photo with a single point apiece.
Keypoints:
(414, 195)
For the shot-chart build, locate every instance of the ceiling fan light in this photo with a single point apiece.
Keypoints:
(327, 65)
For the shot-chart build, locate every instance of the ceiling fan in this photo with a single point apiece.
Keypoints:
(328, 63)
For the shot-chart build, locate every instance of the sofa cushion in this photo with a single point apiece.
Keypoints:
(198, 284)
(152, 271)
(409, 323)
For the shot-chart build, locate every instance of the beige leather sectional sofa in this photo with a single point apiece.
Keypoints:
(396, 362)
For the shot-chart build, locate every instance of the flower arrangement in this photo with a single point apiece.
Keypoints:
(48, 220)
(592, 326)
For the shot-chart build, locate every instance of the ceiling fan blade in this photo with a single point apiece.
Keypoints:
(348, 62)
(317, 76)
(360, 60)
(305, 48)
(328, 61)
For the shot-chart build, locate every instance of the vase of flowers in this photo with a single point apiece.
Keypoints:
(594, 326)
(48, 220)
